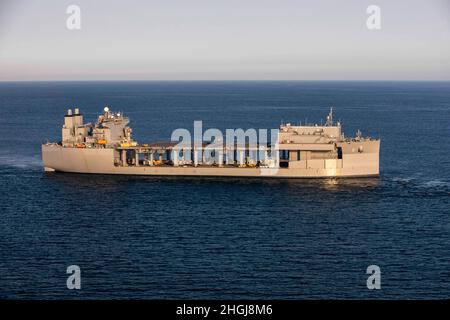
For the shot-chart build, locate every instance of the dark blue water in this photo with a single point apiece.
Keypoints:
(144, 237)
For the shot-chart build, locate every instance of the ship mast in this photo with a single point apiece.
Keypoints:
(330, 118)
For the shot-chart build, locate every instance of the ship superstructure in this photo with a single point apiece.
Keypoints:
(110, 130)
(301, 151)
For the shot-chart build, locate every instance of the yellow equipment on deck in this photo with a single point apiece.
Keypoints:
(128, 144)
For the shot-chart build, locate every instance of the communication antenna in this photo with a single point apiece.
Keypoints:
(330, 118)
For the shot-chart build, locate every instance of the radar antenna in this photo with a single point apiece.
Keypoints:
(358, 134)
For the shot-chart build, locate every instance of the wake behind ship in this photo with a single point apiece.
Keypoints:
(308, 151)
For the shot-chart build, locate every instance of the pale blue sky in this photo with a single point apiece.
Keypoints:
(232, 39)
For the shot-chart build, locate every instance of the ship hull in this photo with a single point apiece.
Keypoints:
(101, 161)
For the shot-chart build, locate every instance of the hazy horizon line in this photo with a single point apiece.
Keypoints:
(231, 80)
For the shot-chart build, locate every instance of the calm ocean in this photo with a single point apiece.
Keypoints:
(148, 237)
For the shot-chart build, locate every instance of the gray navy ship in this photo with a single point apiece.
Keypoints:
(300, 151)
